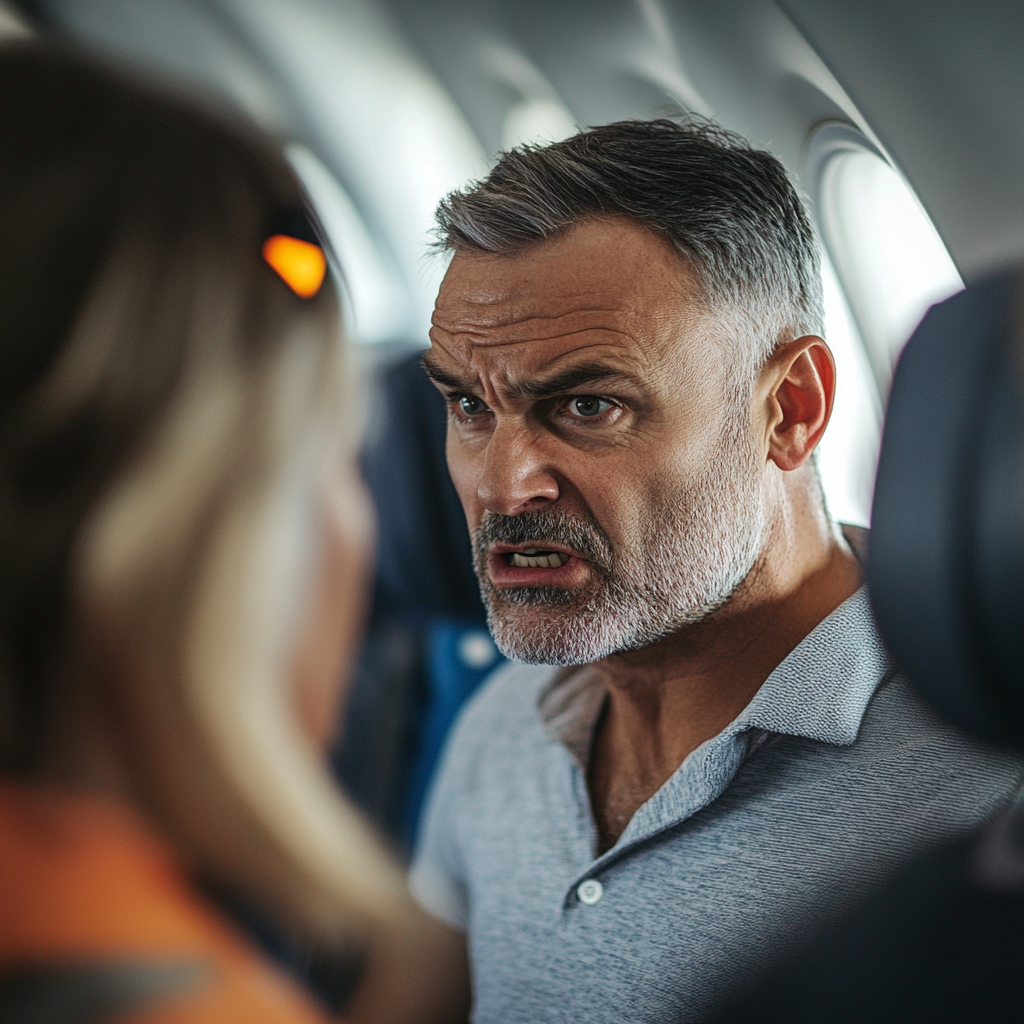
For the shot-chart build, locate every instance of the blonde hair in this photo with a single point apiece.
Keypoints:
(206, 398)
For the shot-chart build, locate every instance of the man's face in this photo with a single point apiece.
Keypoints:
(612, 490)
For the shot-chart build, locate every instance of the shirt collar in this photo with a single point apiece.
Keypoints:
(820, 691)
(822, 688)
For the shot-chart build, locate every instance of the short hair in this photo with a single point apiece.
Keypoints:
(730, 210)
(164, 402)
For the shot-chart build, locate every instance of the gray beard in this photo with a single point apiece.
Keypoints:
(697, 545)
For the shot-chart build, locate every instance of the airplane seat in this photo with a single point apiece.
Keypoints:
(947, 543)
(427, 648)
(944, 939)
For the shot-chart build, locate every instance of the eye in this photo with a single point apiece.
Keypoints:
(470, 406)
(588, 406)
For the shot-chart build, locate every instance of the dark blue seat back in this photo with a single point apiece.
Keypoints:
(946, 570)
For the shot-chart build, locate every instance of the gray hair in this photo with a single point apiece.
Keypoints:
(730, 210)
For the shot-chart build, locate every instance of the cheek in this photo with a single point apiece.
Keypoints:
(633, 489)
(332, 627)
(464, 468)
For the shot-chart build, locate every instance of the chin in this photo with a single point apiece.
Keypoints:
(551, 636)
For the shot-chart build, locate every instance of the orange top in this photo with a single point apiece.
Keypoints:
(84, 881)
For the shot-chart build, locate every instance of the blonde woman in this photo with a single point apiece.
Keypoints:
(182, 551)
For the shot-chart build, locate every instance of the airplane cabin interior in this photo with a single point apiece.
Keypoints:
(900, 124)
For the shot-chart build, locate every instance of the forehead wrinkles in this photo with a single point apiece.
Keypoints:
(521, 364)
(514, 323)
(499, 368)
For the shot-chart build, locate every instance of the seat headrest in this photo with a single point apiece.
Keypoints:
(946, 571)
(424, 557)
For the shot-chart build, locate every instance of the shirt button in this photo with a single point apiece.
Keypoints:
(590, 891)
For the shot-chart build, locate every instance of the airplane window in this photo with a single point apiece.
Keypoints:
(377, 296)
(886, 251)
(539, 115)
(849, 450)
(536, 120)
(380, 116)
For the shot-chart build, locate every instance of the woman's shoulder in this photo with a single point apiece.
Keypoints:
(96, 910)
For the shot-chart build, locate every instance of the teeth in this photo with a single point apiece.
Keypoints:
(528, 560)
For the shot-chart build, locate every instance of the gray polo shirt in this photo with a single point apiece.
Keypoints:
(832, 775)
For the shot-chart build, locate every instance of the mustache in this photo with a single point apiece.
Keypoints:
(582, 534)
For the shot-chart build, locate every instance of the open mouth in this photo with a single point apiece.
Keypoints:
(537, 558)
(510, 567)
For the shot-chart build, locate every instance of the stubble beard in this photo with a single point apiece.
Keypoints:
(696, 546)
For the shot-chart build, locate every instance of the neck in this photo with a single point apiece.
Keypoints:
(666, 700)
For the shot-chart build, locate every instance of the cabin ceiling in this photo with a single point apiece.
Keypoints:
(938, 85)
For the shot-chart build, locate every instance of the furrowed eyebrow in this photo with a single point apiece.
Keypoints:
(445, 378)
(568, 381)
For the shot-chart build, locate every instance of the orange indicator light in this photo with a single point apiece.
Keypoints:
(301, 265)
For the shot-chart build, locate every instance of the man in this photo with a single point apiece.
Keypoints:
(709, 747)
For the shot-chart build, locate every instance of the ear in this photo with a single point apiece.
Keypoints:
(802, 392)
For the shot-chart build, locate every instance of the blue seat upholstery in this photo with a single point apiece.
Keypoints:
(428, 647)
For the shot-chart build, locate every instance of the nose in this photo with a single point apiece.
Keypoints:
(516, 475)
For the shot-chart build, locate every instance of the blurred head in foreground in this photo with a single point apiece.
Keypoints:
(182, 533)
